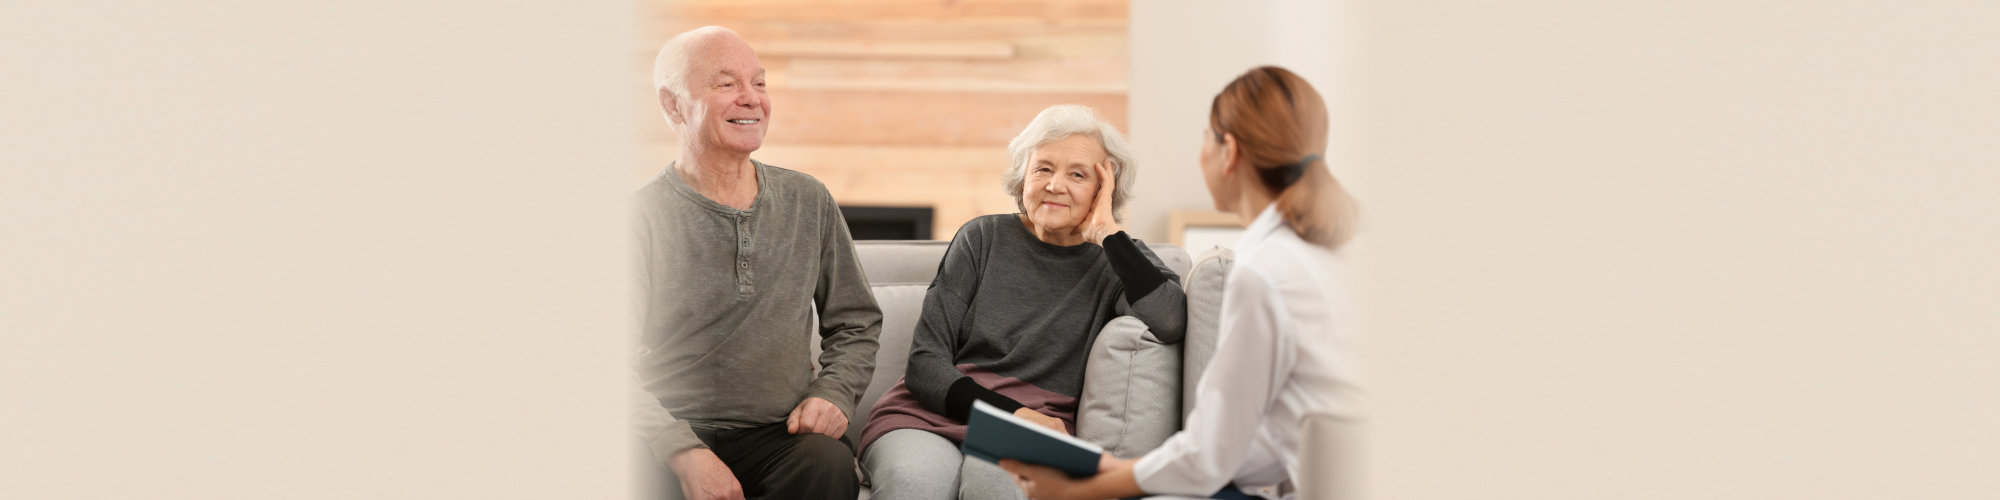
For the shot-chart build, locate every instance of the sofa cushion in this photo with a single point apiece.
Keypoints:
(1131, 390)
(1203, 286)
(1173, 256)
(887, 262)
(899, 272)
(900, 304)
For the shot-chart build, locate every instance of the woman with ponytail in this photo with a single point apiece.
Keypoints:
(1285, 350)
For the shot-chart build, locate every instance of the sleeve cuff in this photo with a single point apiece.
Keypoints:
(675, 437)
(1141, 277)
(836, 396)
(958, 401)
(1143, 471)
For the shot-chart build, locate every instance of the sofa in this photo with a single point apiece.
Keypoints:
(1134, 386)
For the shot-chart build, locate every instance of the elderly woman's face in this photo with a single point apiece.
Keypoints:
(1061, 182)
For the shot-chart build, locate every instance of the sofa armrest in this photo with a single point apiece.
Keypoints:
(1131, 390)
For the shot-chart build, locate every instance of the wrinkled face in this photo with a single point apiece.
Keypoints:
(1061, 182)
(1212, 160)
(726, 107)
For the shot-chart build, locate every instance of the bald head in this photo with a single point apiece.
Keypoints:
(711, 90)
(679, 56)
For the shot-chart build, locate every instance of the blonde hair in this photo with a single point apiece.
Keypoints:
(1280, 125)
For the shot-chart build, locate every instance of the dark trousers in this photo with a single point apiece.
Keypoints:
(773, 464)
(1229, 492)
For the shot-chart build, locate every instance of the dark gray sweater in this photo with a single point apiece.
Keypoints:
(1022, 313)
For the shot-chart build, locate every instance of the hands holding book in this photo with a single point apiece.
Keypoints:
(1113, 480)
(1004, 438)
(1055, 424)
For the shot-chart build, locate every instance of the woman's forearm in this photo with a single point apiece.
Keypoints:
(1114, 479)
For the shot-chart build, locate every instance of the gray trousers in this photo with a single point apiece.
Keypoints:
(911, 464)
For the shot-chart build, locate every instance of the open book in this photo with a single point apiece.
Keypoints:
(991, 434)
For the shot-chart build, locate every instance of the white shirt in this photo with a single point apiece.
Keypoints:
(1285, 350)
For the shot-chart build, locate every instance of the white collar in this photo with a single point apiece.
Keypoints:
(1261, 228)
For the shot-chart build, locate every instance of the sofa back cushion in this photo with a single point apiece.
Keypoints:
(1131, 390)
(1204, 304)
(900, 304)
(899, 272)
(900, 262)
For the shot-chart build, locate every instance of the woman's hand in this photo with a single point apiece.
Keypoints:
(1113, 480)
(1100, 222)
(1045, 420)
(1039, 482)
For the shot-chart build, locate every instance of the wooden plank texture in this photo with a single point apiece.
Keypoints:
(919, 118)
(903, 102)
(898, 9)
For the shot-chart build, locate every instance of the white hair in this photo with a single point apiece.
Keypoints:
(670, 67)
(1057, 123)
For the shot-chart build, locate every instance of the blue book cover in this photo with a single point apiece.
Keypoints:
(991, 434)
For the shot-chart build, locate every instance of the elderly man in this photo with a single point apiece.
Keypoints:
(736, 260)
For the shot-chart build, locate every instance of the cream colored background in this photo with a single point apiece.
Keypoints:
(1185, 51)
(266, 250)
(1696, 249)
(1642, 249)
(1710, 249)
(1670, 250)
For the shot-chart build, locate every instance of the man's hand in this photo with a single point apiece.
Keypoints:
(1044, 420)
(703, 476)
(817, 416)
(1100, 223)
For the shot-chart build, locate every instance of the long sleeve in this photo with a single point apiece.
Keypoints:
(932, 375)
(651, 423)
(662, 433)
(1252, 360)
(850, 321)
(1152, 291)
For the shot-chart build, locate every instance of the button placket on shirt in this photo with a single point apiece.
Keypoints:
(743, 282)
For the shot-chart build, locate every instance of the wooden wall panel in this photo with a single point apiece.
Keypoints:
(855, 10)
(917, 118)
(905, 102)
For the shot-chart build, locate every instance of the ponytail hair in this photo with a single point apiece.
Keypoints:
(1280, 125)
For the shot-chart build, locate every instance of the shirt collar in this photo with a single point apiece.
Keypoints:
(1261, 228)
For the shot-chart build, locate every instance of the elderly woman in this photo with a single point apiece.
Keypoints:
(1016, 303)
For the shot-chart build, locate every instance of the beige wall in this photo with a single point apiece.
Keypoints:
(307, 250)
(1672, 250)
(1688, 250)
(1183, 52)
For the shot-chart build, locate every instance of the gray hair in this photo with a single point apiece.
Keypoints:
(670, 67)
(1057, 123)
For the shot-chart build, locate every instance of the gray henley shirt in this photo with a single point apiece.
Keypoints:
(726, 296)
